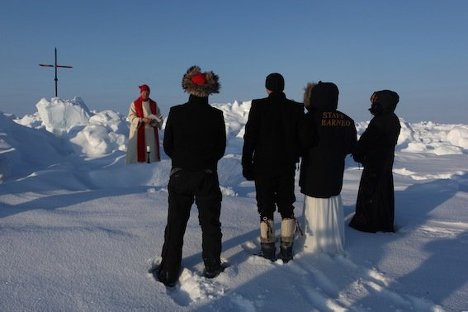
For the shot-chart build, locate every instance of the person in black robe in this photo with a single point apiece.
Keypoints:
(375, 149)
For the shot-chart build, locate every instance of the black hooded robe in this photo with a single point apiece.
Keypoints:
(375, 202)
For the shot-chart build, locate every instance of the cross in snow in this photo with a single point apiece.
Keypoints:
(55, 66)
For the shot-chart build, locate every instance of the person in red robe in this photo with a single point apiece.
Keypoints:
(145, 122)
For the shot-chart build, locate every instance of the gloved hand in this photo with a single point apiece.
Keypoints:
(248, 172)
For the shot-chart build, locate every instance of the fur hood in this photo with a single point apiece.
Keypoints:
(200, 83)
(321, 96)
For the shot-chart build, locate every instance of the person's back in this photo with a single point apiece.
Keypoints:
(269, 157)
(272, 133)
(195, 140)
(195, 135)
(327, 136)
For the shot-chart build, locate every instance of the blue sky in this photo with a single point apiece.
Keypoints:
(418, 48)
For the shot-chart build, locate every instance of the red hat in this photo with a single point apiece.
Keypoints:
(144, 87)
(199, 79)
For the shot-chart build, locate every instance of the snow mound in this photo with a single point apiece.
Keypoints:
(105, 133)
(59, 116)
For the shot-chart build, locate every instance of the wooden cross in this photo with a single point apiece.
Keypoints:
(55, 66)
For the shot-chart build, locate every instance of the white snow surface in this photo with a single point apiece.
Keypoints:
(80, 230)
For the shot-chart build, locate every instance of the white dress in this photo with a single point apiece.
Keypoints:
(323, 224)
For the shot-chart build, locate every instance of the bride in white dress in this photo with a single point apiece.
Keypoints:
(327, 136)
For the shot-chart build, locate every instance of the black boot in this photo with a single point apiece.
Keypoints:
(168, 278)
(213, 267)
(286, 252)
(268, 251)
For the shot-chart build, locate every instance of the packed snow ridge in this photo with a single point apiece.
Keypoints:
(100, 133)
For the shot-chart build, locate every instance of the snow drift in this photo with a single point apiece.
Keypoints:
(79, 229)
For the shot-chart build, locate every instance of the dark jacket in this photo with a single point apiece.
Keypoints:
(195, 135)
(376, 146)
(327, 136)
(271, 144)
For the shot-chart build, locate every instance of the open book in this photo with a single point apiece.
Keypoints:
(158, 119)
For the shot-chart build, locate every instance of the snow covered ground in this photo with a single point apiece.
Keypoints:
(79, 229)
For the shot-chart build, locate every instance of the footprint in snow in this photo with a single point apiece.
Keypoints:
(192, 286)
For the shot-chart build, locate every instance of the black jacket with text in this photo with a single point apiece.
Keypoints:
(327, 136)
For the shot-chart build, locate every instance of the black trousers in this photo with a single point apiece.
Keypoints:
(184, 188)
(275, 190)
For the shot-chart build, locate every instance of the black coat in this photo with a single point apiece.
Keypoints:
(271, 143)
(195, 135)
(327, 136)
(375, 150)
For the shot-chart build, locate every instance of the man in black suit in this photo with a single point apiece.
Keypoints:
(269, 157)
(195, 140)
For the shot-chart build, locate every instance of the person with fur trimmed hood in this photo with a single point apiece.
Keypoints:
(375, 204)
(145, 122)
(269, 157)
(327, 136)
(195, 140)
